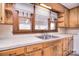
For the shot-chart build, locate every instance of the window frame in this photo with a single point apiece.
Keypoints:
(16, 29)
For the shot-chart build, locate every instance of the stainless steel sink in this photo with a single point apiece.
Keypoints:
(47, 37)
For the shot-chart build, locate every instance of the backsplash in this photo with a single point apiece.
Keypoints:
(6, 32)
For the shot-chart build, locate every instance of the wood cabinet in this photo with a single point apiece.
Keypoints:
(34, 50)
(73, 17)
(56, 7)
(7, 13)
(13, 52)
(64, 17)
(67, 45)
(35, 47)
(60, 47)
(35, 53)
(0, 12)
(70, 50)
(49, 51)
(78, 16)
(54, 49)
(70, 18)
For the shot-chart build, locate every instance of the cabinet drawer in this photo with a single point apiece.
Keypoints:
(34, 47)
(14, 52)
(7, 53)
(47, 44)
(19, 51)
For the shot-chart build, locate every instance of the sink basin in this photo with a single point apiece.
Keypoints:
(47, 37)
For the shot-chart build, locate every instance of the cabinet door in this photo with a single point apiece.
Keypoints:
(65, 46)
(61, 18)
(73, 17)
(65, 18)
(8, 53)
(0, 12)
(50, 51)
(70, 45)
(35, 53)
(59, 48)
(56, 6)
(78, 16)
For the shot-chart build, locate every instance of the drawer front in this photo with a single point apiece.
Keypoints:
(34, 47)
(19, 51)
(7, 53)
(47, 44)
(13, 52)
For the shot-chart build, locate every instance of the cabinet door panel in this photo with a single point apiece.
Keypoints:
(48, 51)
(70, 45)
(59, 48)
(35, 53)
(73, 17)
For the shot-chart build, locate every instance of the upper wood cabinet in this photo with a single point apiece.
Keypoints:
(78, 15)
(56, 7)
(0, 12)
(64, 17)
(73, 19)
(7, 13)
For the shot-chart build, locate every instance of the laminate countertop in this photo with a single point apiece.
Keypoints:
(25, 40)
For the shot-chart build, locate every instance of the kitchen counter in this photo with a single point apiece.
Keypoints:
(25, 40)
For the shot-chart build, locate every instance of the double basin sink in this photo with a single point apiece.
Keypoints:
(46, 37)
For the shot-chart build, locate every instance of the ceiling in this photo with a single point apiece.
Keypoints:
(70, 5)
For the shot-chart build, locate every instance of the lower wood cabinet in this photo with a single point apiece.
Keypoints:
(13, 52)
(49, 51)
(70, 45)
(61, 47)
(34, 53)
(65, 46)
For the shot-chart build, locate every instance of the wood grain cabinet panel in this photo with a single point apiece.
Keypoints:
(35, 53)
(48, 51)
(60, 47)
(70, 45)
(13, 52)
(64, 17)
(53, 50)
(34, 47)
(78, 16)
(73, 21)
(56, 6)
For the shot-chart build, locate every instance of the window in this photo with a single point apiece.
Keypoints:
(24, 14)
(41, 18)
(32, 18)
(53, 18)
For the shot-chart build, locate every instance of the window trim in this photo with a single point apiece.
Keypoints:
(16, 29)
